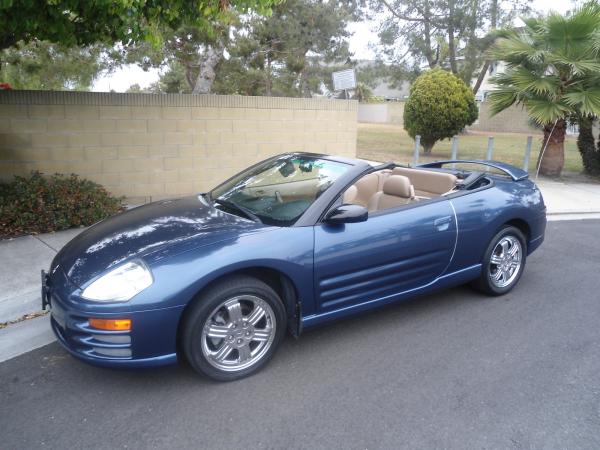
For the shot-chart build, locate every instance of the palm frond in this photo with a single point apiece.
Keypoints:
(527, 81)
(575, 66)
(595, 42)
(545, 111)
(516, 48)
(586, 101)
(503, 98)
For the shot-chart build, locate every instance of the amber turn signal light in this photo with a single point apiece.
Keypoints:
(111, 324)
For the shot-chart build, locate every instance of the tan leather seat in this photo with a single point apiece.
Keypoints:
(361, 191)
(350, 195)
(427, 183)
(397, 191)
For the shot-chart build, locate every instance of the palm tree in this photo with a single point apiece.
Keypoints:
(553, 70)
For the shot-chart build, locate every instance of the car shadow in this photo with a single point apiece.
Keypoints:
(407, 316)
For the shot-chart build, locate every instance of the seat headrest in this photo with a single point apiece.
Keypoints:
(398, 185)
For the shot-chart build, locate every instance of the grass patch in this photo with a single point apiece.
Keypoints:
(386, 142)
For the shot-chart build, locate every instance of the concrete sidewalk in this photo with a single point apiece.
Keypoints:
(23, 258)
(565, 197)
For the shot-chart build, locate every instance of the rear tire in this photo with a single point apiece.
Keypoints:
(233, 329)
(503, 262)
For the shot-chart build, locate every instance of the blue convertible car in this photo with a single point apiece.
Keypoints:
(294, 241)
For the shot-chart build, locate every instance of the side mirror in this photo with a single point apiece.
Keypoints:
(347, 214)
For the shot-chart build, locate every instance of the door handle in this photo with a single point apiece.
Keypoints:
(443, 223)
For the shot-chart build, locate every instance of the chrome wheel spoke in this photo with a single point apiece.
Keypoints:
(497, 275)
(504, 244)
(222, 354)
(257, 314)
(496, 259)
(514, 251)
(217, 331)
(244, 353)
(262, 335)
(235, 310)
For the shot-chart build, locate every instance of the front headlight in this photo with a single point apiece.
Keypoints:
(120, 284)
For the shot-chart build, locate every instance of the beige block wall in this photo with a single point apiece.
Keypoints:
(146, 146)
(512, 120)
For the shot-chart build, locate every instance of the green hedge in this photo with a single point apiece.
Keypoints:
(39, 204)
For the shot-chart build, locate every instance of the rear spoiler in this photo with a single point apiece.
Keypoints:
(514, 172)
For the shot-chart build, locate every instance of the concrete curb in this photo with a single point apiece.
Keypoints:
(552, 217)
(12, 308)
(25, 336)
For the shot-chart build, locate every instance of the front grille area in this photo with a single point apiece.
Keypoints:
(81, 338)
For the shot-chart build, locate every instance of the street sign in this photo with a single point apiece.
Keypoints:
(344, 79)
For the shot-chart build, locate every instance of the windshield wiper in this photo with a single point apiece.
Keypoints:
(232, 205)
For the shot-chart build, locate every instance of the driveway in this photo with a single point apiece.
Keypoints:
(452, 370)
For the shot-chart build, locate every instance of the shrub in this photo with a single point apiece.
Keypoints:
(440, 106)
(38, 204)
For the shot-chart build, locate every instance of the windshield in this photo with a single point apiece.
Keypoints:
(278, 191)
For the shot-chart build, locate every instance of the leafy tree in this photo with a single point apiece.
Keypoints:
(553, 70)
(172, 81)
(363, 93)
(288, 53)
(452, 34)
(137, 89)
(195, 53)
(293, 51)
(440, 106)
(84, 22)
(42, 65)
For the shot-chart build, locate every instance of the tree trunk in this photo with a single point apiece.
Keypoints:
(268, 81)
(189, 76)
(553, 158)
(451, 46)
(304, 88)
(427, 145)
(586, 145)
(486, 65)
(484, 69)
(427, 36)
(208, 62)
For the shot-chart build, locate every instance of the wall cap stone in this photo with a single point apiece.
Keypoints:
(18, 97)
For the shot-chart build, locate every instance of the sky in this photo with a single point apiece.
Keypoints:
(363, 35)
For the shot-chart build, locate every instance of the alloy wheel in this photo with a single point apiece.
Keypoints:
(238, 333)
(505, 262)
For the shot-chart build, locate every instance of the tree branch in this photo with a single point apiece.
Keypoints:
(401, 16)
(481, 76)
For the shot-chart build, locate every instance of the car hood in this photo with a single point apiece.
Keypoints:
(159, 229)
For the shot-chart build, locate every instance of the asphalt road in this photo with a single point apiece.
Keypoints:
(451, 370)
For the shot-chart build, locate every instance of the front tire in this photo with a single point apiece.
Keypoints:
(503, 262)
(233, 329)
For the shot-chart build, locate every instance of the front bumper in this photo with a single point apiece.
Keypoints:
(151, 342)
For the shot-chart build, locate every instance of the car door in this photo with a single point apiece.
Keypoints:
(392, 252)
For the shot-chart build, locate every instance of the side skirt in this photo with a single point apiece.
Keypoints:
(449, 280)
